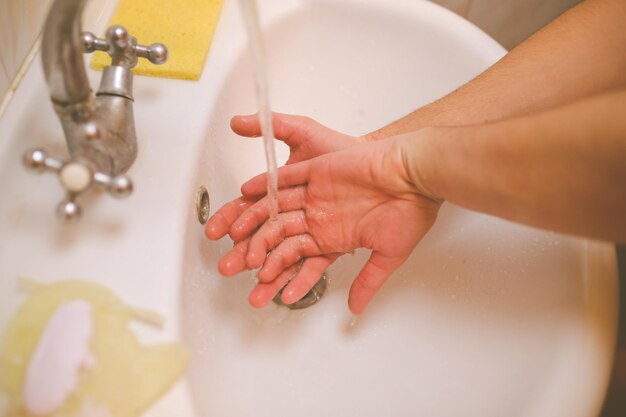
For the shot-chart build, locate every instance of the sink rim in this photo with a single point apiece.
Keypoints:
(152, 96)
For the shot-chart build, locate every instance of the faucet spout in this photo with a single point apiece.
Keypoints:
(62, 53)
(99, 130)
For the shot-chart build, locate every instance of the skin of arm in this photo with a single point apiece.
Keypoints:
(562, 169)
(540, 139)
(579, 54)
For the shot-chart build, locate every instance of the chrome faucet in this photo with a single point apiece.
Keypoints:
(100, 129)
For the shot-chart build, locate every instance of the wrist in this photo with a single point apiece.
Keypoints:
(419, 119)
(421, 153)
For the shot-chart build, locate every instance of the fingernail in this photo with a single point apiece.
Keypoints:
(230, 267)
(210, 233)
(256, 300)
(210, 228)
(288, 297)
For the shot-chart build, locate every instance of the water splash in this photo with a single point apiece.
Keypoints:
(270, 315)
(259, 68)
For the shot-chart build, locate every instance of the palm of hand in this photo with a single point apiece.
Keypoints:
(343, 212)
(344, 216)
(331, 205)
(337, 203)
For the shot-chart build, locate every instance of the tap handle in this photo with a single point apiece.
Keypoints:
(91, 43)
(156, 53)
(123, 48)
(76, 177)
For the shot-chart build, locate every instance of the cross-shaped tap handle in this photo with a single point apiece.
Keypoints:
(76, 177)
(123, 47)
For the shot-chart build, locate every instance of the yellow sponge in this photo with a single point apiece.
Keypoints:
(185, 27)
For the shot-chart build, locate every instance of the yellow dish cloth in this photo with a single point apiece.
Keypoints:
(186, 27)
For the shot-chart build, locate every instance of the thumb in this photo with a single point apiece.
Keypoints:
(371, 278)
(291, 129)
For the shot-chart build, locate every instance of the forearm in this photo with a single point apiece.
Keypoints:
(579, 54)
(562, 169)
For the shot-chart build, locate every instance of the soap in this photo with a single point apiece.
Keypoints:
(120, 376)
(54, 368)
(185, 27)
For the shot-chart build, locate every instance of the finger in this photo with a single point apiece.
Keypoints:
(263, 292)
(291, 129)
(272, 233)
(287, 253)
(288, 199)
(288, 175)
(309, 274)
(220, 222)
(234, 261)
(248, 125)
(371, 278)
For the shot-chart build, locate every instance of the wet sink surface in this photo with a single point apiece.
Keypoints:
(487, 318)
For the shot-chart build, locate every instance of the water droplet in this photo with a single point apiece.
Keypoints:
(270, 315)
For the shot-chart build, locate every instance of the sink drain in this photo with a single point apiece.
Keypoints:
(203, 205)
(309, 299)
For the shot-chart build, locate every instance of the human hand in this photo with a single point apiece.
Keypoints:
(330, 205)
(305, 137)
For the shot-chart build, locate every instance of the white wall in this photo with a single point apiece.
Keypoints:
(20, 24)
(508, 21)
(512, 21)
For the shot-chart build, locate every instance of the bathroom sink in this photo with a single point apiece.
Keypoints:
(487, 318)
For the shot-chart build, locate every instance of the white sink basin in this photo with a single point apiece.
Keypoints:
(487, 318)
